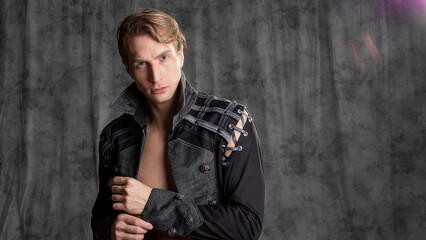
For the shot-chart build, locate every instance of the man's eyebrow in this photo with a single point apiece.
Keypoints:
(138, 59)
(163, 53)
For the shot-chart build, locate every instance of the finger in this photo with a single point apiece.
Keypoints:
(145, 224)
(124, 236)
(118, 206)
(119, 180)
(118, 198)
(136, 221)
(118, 189)
(124, 227)
(139, 222)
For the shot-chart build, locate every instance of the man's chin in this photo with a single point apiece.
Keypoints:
(160, 100)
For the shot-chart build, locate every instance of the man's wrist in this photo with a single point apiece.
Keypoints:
(146, 195)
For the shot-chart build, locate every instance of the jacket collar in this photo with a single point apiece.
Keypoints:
(131, 101)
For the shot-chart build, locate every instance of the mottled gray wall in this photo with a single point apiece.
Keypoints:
(342, 126)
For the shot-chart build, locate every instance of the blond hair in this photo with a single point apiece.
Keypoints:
(153, 22)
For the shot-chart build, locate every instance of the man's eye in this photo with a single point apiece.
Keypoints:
(141, 63)
(164, 57)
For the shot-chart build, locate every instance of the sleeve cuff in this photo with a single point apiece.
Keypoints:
(172, 212)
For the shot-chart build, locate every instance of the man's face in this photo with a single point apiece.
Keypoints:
(155, 67)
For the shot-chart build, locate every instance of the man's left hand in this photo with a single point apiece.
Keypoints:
(129, 194)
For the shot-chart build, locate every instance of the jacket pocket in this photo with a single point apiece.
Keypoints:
(194, 171)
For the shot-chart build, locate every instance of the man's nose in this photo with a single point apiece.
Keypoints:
(155, 73)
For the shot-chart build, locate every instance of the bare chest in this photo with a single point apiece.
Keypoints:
(155, 170)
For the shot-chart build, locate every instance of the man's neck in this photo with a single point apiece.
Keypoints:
(161, 115)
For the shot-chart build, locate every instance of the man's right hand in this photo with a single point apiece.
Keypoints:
(127, 226)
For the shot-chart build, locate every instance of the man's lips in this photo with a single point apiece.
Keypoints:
(159, 90)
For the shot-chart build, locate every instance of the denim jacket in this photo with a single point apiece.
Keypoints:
(215, 198)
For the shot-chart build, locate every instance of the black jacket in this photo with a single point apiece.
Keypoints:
(216, 199)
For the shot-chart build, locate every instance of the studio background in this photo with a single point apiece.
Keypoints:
(337, 90)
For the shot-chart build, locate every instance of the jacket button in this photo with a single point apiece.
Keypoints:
(213, 202)
(205, 168)
(180, 196)
(115, 169)
(225, 163)
(189, 220)
(172, 231)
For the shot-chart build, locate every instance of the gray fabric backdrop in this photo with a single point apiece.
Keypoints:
(342, 125)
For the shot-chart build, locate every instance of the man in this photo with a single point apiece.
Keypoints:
(177, 163)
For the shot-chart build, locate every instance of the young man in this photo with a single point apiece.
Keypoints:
(177, 163)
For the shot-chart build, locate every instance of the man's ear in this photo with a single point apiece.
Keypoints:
(181, 58)
(126, 66)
